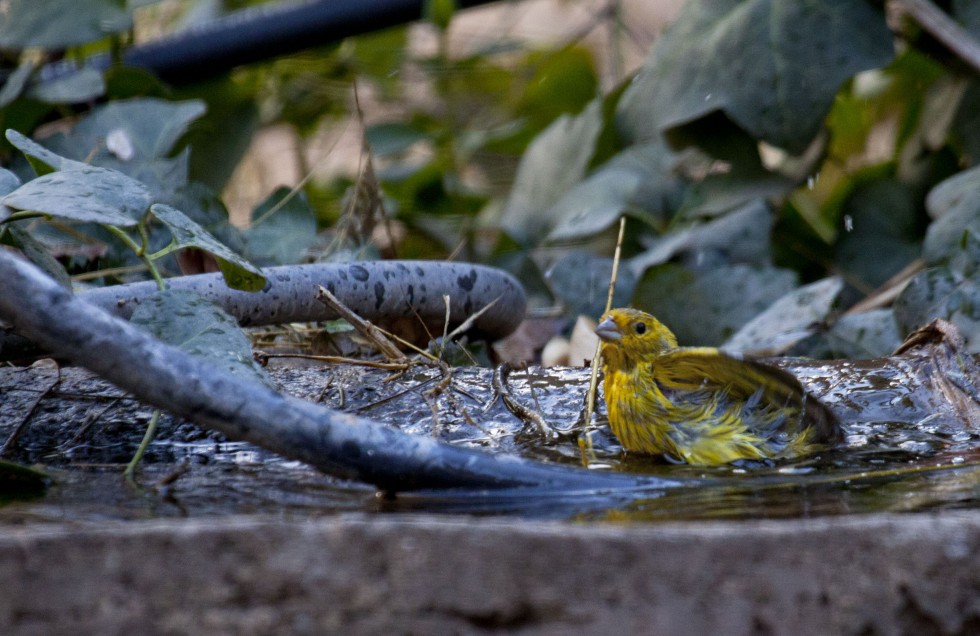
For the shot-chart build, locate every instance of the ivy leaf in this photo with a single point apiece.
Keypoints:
(60, 24)
(954, 205)
(772, 66)
(283, 237)
(131, 130)
(883, 236)
(707, 307)
(78, 87)
(85, 194)
(34, 250)
(741, 236)
(8, 181)
(16, 82)
(41, 159)
(868, 334)
(950, 291)
(640, 180)
(787, 321)
(392, 138)
(189, 321)
(581, 281)
(238, 272)
(553, 163)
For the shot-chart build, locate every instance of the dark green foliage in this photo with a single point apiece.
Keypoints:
(777, 162)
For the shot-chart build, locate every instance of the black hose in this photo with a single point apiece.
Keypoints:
(259, 33)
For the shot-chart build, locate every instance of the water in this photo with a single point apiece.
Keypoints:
(905, 451)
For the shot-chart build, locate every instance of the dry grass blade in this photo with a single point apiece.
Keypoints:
(594, 375)
(363, 327)
(468, 323)
(263, 357)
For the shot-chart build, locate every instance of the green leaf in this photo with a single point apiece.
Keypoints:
(80, 86)
(189, 321)
(222, 136)
(16, 83)
(951, 292)
(581, 281)
(34, 250)
(741, 236)
(967, 13)
(869, 334)
(86, 194)
(8, 181)
(720, 193)
(564, 81)
(787, 321)
(772, 66)
(162, 177)
(59, 24)
(707, 307)
(393, 137)
(954, 205)
(640, 180)
(282, 237)
(238, 272)
(553, 163)
(130, 130)
(881, 233)
(42, 160)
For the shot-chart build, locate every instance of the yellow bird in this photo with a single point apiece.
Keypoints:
(700, 405)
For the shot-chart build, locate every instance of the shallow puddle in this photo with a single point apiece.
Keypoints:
(906, 454)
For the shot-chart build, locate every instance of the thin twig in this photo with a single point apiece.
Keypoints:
(466, 324)
(396, 395)
(263, 357)
(431, 396)
(523, 413)
(365, 328)
(942, 27)
(90, 419)
(889, 290)
(594, 375)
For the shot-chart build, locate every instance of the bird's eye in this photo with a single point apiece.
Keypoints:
(640, 328)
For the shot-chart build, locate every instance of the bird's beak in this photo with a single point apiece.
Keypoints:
(608, 331)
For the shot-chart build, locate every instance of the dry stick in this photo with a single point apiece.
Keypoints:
(363, 327)
(500, 387)
(945, 29)
(468, 323)
(339, 444)
(594, 375)
(889, 290)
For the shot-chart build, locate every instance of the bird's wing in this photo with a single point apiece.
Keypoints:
(696, 368)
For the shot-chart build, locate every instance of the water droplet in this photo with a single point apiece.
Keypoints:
(848, 223)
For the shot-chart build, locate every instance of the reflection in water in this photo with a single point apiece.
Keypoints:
(238, 479)
(895, 459)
